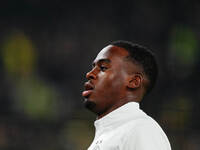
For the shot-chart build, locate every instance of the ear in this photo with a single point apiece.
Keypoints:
(135, 81)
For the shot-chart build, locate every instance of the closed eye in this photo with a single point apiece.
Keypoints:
(102, 64)
(103, 68)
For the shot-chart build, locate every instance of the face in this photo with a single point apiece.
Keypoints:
(106, 86)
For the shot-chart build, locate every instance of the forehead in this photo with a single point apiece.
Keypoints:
(110, 52)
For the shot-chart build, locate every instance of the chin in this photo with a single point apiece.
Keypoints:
(89, 104)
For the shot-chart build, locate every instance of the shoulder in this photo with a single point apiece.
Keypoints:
(142, 122)
(146, 134)
(146, 125)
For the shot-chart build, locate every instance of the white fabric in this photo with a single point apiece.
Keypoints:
(128, 128)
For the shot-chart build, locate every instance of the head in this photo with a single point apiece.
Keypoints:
(121, 72)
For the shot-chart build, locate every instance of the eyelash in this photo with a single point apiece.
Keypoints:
(103, 68)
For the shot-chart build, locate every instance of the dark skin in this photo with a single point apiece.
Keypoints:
(113, 81)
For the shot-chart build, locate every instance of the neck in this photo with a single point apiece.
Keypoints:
(133, 97)
(119, 103)
(128, 98)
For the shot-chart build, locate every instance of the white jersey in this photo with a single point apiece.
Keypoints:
(128, 128)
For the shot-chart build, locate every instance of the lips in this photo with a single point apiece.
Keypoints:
(88, 89)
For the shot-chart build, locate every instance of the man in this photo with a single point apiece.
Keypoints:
(122, 74)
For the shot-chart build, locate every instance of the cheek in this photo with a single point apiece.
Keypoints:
(112, 82)
(105, 81)
(117, 82)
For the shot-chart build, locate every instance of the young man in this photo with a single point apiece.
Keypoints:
(122, 74)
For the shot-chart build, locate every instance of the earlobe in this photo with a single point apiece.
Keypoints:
(134, 81)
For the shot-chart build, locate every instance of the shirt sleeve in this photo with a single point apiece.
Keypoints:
(146, 137)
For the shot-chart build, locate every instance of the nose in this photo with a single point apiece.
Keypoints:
(91, 75)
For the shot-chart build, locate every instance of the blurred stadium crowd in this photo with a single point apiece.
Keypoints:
(46, 47)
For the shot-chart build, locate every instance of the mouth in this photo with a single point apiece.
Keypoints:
(88, 89)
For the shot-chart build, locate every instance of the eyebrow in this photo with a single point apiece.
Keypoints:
(102, 61)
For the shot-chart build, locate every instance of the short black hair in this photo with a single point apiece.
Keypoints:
(142, 56)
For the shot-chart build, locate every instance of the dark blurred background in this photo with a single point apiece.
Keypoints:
(47, 46)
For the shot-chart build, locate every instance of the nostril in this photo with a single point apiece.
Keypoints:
(90, 75)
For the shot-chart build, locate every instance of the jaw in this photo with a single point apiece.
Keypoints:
(89, 104)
